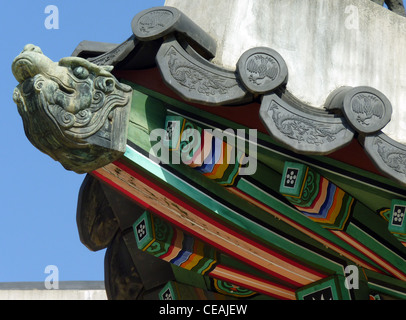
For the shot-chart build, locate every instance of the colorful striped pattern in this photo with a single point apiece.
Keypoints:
(208, 154)
(331, 207)
(359, 261)
(172, 245)
(316, 197)
(159, 238)
(188, 218)
(342, 223)
(335, 211)
(346, 248)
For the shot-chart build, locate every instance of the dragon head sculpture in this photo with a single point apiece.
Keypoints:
(73, 110)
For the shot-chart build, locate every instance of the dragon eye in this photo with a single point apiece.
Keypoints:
(81, 72)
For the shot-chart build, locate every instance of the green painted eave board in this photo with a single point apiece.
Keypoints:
(154, 110)
(139, 130)
(255, 230)
(274, 155)
(222, 212)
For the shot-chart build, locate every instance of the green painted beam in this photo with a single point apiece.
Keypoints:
(375, 191)
(138, 133)
(153, 106)
(337, 210)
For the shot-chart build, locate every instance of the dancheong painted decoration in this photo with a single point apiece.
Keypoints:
(211, 173)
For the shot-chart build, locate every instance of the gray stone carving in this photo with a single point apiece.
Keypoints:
(366, 109)
(72, 110)
(155, 23)
(304, 132)
(320, 55)
(388, 155)
(197, 80)
(86, 49)
(116, 55)
(262, 70)
(132, 54)
(77, 112)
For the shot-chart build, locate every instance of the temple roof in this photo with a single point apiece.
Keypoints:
(211, 180)
(359, 102)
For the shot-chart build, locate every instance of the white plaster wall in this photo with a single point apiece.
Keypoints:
(325, 43)
(66, 290)
(53, 295)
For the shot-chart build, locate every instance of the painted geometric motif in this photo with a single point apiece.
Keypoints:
(331, 288)
(179, 291)
(203, 150)
(397, 223)
(323, 294)
(167, 293)
(159, 238)
(229, 289)
(291, 177)
(398, 215)
(316, 197)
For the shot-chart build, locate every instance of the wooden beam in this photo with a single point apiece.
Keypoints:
(159, 238)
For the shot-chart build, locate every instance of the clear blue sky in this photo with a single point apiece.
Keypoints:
(39, 197)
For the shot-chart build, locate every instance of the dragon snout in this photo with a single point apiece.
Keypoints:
(28, 63)
(32, 48)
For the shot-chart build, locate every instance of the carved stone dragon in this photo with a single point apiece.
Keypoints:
(72, 110)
